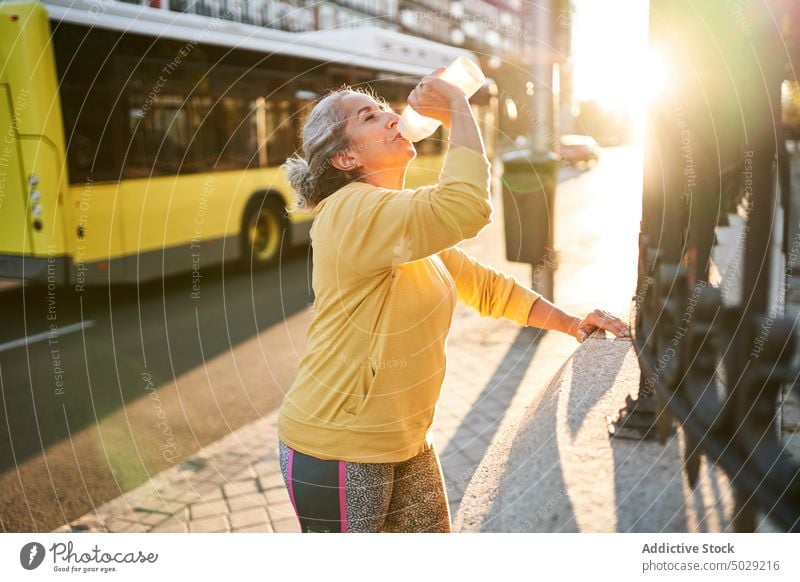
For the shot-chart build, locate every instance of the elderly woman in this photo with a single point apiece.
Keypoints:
(356, 448)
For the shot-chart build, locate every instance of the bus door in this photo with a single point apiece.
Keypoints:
(91, 117)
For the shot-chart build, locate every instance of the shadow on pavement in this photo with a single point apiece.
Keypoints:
(482, 422)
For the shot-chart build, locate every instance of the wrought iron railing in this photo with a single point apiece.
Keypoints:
(713, 361)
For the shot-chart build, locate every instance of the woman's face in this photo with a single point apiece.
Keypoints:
(375, 142)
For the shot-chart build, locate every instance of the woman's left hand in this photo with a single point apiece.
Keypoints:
(599, 319)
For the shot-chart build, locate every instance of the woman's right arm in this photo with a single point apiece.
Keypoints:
(464, 130)
(384, 228)
(378, 228)
(440, 100)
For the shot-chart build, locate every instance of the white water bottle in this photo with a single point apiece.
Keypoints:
(464, 74)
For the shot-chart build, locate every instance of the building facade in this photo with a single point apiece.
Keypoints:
(486, 27)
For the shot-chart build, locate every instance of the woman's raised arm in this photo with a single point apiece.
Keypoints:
(444, 102)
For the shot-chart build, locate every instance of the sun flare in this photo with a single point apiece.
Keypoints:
(613, 64)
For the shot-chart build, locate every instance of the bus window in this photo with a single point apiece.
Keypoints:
(280, 131)
(89, 127)
(91, 123)
(169, 136)
(235, 121)
(159, 135)
(204, 145)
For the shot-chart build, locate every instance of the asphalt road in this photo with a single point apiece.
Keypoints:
(132, 379)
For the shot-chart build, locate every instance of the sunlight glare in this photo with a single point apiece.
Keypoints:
(655, 74)
(617, 70)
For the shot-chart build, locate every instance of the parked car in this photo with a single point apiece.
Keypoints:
(578, 149)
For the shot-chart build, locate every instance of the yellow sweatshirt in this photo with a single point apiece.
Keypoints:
(386, 277)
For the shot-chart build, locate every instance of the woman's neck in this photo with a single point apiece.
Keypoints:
(390, 178)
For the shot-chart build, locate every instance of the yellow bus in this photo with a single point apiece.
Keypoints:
(138, 143)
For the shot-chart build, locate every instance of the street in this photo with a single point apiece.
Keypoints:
(135, 380)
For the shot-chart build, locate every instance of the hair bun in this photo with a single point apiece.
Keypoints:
(300, 178)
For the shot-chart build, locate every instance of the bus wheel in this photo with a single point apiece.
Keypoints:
(263, 231)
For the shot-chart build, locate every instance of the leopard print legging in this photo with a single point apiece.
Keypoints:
(342, 496)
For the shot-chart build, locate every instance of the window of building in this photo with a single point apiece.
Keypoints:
(327, 16)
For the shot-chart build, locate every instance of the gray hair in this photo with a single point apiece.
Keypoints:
(311, 175)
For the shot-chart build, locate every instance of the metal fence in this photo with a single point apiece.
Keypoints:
(717, 360)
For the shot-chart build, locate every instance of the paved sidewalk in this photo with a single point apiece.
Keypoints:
(558, 471)
(232, 485)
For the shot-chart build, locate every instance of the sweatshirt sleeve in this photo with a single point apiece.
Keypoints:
(380, 228)
(491, 293)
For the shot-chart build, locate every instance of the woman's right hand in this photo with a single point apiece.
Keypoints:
(436, 98)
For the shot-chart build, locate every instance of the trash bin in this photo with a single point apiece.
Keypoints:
(529, 186)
